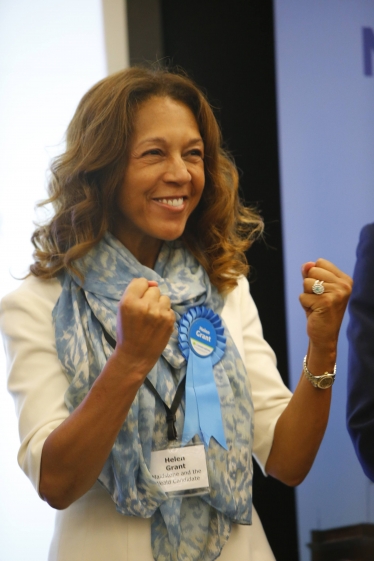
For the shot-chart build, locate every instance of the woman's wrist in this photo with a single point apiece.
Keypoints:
(321, 359)
(124, 370)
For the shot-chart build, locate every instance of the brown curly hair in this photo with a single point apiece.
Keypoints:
(85, 179)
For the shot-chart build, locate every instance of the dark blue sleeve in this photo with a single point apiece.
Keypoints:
(360, 403)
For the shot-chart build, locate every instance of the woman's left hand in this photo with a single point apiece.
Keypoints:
(301, 426)
(324, 311)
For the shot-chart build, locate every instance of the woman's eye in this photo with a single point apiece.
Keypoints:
(196, 152)
(153, 152)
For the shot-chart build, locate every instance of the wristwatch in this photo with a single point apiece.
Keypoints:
(322, 382)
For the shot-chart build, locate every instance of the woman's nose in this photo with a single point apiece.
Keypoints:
(177, 172)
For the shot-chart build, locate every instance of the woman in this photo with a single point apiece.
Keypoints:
(147, 227)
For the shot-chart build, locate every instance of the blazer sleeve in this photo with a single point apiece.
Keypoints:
(360, 401)
(269, 394)
(35, 377)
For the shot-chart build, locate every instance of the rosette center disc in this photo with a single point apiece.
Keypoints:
(202, 337)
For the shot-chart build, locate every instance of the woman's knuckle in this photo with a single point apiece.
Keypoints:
(126, 305)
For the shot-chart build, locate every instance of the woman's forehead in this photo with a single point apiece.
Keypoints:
(162, 115)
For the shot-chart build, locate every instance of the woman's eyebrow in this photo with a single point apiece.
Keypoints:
(162, 140)
(197, 140)
(158, 139)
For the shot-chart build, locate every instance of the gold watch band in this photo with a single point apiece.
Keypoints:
(322, 382)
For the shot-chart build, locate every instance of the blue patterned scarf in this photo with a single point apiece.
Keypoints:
(183, 529)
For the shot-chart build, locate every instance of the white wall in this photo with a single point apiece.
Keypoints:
(326, 118)
(51, 52)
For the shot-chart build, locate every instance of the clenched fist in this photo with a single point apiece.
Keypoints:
(145, 323)
(324, 311)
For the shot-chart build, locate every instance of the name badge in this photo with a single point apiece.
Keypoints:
(181, 471)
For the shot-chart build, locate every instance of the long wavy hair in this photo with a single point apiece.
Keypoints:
(85, 179)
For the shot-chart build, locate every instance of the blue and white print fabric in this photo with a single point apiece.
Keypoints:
(183, 529)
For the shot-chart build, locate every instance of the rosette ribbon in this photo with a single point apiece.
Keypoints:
(202, 342)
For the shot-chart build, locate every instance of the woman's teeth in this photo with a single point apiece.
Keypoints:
(172, 202)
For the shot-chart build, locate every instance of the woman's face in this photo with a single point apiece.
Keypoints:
(164, 178)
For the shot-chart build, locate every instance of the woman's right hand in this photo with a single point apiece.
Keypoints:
(75, 452)
(145, 323)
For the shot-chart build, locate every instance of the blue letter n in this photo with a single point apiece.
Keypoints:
(368, 44)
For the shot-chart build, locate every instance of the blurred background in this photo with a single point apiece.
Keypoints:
(292, 85)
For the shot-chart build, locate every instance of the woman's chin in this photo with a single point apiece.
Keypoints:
(171, 234)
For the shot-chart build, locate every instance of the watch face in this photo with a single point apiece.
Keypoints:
(325, 382)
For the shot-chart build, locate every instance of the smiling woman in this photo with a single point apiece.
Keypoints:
(135, 335)
(164, 178)
(104, 145)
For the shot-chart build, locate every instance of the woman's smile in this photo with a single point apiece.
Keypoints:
(164, 178)
(176, 203)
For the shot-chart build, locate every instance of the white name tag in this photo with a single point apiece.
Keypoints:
(181, 470)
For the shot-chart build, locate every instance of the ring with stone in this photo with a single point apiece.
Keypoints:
(318, 287)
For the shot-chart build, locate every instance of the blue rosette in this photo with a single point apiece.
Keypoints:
(202, 342)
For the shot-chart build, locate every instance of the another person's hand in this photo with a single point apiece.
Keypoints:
(324, 311)
(145, 322)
